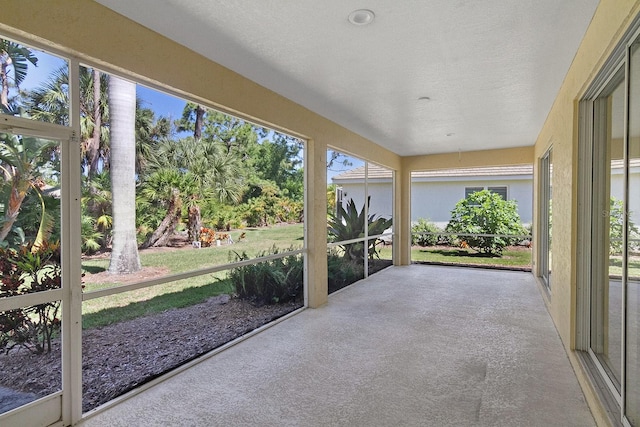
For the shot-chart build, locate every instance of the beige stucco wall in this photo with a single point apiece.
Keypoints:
(611, 19)
(470, 159)
(98, 36)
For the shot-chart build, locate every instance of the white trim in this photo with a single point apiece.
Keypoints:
(28, 300)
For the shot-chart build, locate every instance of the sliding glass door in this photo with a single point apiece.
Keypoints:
(632, 331)
(608, 331)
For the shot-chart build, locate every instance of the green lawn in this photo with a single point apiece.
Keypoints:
(128, 305)
(615, 266)
(154, 299)
(511, 257)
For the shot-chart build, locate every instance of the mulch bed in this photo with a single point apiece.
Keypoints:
(122, 356)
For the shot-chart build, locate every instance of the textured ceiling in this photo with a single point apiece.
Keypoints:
(491, 68)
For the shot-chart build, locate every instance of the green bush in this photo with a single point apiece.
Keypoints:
(342, 272)
(348, 224)
(424, 226)
(484, 212)
(268, 282)
(616, 228)
(27, 270)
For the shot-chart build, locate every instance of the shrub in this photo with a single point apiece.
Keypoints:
(484, 212)
(348, 224)
(424, 226)
(342, 272)
(268, 282)
(616, 228)
(29, 270)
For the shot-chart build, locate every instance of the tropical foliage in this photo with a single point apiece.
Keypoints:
(616, 228)
(269, 282)
(485, 212)
(348, 223)
(25, 163)
(424, 226)
(204, 169)
(25, 271)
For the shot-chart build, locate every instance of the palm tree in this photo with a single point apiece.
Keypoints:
(96, 205)
(165, 188)
(122, 108)
(22, 160)
(17, 58)
(149, 133)
(185, 173)
(50, 103)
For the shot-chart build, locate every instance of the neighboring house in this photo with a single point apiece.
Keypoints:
(435, 193)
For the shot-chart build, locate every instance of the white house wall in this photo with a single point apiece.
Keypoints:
(381, 203)
(434, 200)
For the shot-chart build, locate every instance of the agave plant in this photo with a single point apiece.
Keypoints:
(348, 224)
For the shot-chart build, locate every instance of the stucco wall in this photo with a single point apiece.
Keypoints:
(611, 19)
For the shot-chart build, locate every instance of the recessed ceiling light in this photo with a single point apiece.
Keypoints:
(450, 134)
(424, 98)
(361, 17)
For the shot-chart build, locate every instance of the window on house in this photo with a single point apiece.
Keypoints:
(545, 194)
(500, 190)
(470, 190)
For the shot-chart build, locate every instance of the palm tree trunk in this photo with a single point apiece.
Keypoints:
(162, 234)
(197, 129)
(16, 197)
(195, 223)
(4, 81)
(122, 111)
(94, 142)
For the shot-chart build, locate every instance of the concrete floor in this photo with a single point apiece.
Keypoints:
(410, 346)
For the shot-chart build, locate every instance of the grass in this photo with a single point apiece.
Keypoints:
(615, 266)
(128, 305)
(256, 240)
(159, 303)
(511, 257)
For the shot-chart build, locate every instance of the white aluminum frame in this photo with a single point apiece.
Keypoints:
(366, 237)
(590, 124)
(65, 406)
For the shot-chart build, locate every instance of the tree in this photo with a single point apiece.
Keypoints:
(279, 161)
(485, 212)
(50, 103)
(21, 162)
(149, 134)
(16, 58)
(185, 173)
(163, 188)
(122, 108)
(96, 211)
(616, 228)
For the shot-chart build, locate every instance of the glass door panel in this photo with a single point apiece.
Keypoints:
(608, 199)
(35, 83)
(546, 179)
(632, 372)
(31, 271)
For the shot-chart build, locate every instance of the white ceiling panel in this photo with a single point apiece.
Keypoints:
(491, 68)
